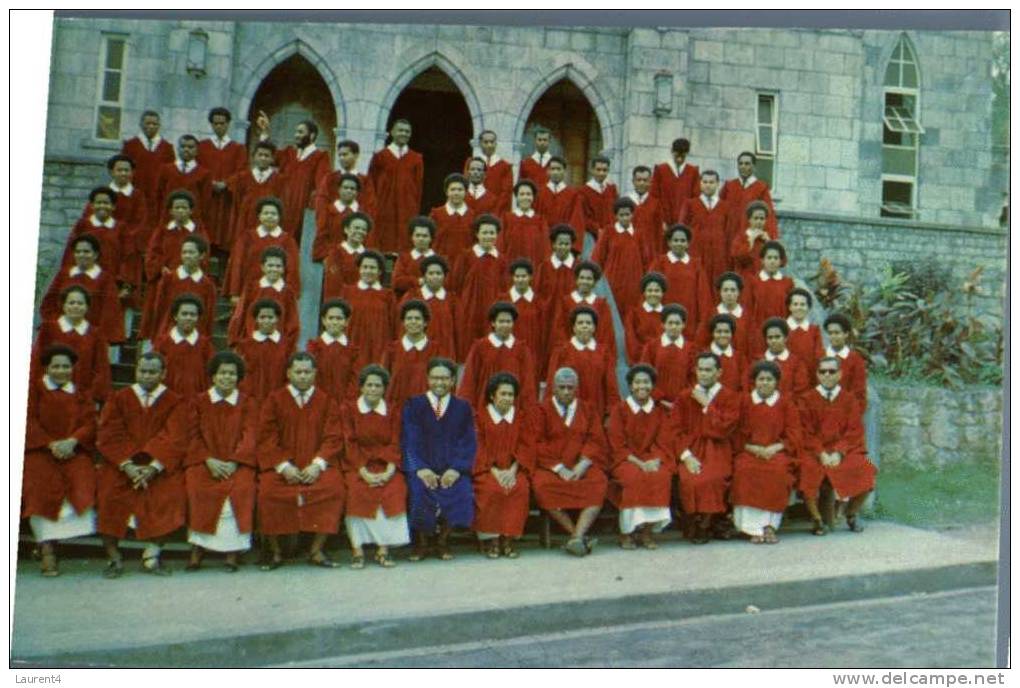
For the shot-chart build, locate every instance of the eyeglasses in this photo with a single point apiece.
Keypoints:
(828, 371)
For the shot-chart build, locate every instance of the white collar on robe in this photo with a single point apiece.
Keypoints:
(462, 210)
(177, 337)
(305, 152)
(195, 276)
(747, 182)
(530, 212)
(601, 188)
(576, 343)
(496, 418)
(679, 342)
(364, 408)
(727, 352)
(541, 158)
(214, 396)
(429, 294)
(769, 356)
(497, 342)
(109, 222)
(825, 392)
(150, 144)
(710, 203)
(557, 263)
(420, 345)
(351, 250)
(673, 258)
(259, 337)
(577, 298)
(398, 151)
(49, 384)
(296, 394)
(794, 325)
(154, 395)
(476, 191)
(528, 296)
(438, 405)
(712, 391)
(765, 277)
(186, 167)
(220, 143)
(637, 408)
(93, 272)
(567, 415)
(418, 255)
(620, 229)
(489, 162)
(126, 190)
(638, 198)
(188, 226)
(263, 232)
(736, 312)
(65, 326)
(650, 308)
(375, 286)
(479, 251)
(330, 339)
(842, 353)
(262, 175)
(673, 166)
(278, 285)
(771, 401)
(554, 187)
(341, 208)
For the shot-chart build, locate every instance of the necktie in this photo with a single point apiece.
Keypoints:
(437, 408)
(828, 394)
(147, 401)
(301, 399)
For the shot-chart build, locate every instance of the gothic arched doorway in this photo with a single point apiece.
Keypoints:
(294, 91)
(441, 129)
(576, 134)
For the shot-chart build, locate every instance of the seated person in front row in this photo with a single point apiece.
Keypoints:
(571, 453)
(438, 443)
(300, 484)
(834, 450)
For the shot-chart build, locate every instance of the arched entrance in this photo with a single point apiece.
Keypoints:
(576, 135)
(441, 129)
(294, 91)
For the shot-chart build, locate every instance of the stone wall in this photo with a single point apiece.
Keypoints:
(927, 427)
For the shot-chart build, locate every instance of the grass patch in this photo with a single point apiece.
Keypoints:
(965, 493)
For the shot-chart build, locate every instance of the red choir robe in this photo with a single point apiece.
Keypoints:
(303, 171)
(535, 167)
(407, 271)
(532, 325)
(248, 187)
(408, 365)
(502, 440)
(854, 376)
(673, 190)
(746, 339)
(373, 321)
(499, 179)
(605, 331)
(562, 204)
(563, 436)
(163, 256)
(735, 368)
(132, 431)
(118, 254)
(131, 212)
(247, 255)
(340, 269)
(397, 177)
(796, 380)
(688, 286)
(335, 365)
(106, 313)
(92, 371)
(488, 356)
(710, 234)
(328, 193)
(224, 428)
(834, 425)
(186, 359)
(674, 361)
(478, 278)
(745, 257)
(371, 440)
(484, 201)
(265, 363)
(453, 229)
(641, 431)
(57, 413)
(641, 325)
(158, 320)
(805, 342)
(524, 235)
(149, 157)
(554, 280)
(196, 180)
(223, 158)
(329, 231)
(649, 224)
(740, 194)
(440, 330)
(706, 433)
(763, 484)
(618, 253)
(596, 373)
(766, 295)
(299, 435)
(597, 201)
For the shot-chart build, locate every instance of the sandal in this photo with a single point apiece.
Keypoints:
(357, 561)
(576, 546)
(384, 559)
(853, 525)
(627, 542)
(819, 528)
(507, 549)
(491, 548)
(271, 564)
(770, 536)
(114, 569)
(589, 543)
(757, 540)
(195, 562)
(48, 565)
(322, 561)
(647, 541)
(154, 566)
(443, 552)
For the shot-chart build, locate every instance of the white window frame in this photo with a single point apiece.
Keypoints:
(101, 78)
(759, 152)
(914, 93)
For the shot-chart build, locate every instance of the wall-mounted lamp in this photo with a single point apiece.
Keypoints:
(198, 48)
(663, 94)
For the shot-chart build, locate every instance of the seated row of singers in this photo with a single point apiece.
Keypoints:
(301, 460)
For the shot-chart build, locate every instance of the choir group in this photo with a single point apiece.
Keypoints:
(465, 368)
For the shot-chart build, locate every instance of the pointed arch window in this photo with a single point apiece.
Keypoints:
(901, 132)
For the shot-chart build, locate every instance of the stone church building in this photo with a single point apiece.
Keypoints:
(877, 144)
